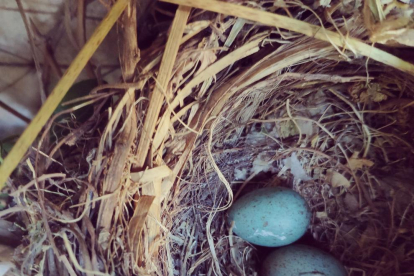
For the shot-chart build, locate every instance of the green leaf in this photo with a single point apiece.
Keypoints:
(78, 90)
(6, 145)
(3, 200)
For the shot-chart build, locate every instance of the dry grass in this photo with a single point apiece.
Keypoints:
(233, 119)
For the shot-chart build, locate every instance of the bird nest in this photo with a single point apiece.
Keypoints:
(245, 106)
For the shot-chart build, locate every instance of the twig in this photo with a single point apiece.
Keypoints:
(293, 120)
(164, 76)
(299, 26)
(72, 257)
(81, 34)
(360, 117)
(130, 58)
(14, 112)
(81, 23)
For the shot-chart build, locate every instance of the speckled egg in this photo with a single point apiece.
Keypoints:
(272, 217)
(300, 259)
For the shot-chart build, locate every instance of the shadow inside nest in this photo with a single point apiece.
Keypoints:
(246, 106)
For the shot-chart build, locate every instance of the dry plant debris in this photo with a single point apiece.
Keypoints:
(241, 105)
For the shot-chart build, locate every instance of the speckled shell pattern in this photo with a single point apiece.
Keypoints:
(300, 259)
(272, 217)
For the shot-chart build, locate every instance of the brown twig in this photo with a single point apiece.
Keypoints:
(130, 57)
(14, 112)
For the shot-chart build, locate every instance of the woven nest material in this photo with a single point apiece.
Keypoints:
(246, 106)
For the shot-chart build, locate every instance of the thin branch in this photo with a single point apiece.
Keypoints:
(14, 112)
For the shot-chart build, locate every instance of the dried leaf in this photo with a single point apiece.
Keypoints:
(262, 163)
(403, 117)
(136, 223)
(151, 174)
(324, 3)
(406, 37)
(351, 202)
(296, 168)
(287, 129)
(193, 112)
(376, 9)
(337, 179)
(356, 163)
(235, 30)
(394, 31)
(240, 174)
(321, 215)
(369, 237)
(103, 239)
(360, 93)
(314, 141)
(279, 3)
(196, 26)
(206, 58)
(6, 255)
(350, 6)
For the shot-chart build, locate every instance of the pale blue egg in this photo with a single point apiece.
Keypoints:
(304, 260)
(272, 217)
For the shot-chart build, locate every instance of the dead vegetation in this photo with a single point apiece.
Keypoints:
(141, 187)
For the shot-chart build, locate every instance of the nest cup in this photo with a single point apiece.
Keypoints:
(245, 106)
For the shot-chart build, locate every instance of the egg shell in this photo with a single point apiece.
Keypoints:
(298, 259)
(273, 216)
